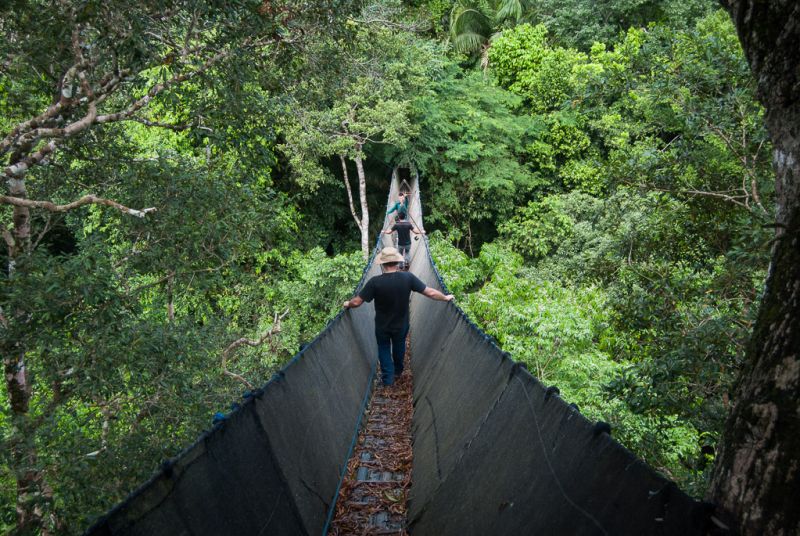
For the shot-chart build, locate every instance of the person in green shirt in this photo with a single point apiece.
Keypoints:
(401, 206)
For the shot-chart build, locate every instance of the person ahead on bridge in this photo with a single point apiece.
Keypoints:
(404, 230)
(391, 291)
(401, 206)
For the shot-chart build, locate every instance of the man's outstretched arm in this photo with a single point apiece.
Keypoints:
(434, 294)
(354, 302)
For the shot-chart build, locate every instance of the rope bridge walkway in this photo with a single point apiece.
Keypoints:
(494, 451)
(373, 497)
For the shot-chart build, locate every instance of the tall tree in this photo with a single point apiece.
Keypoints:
(756, 471)
(468, 152)
(74, 79)
(365, 102)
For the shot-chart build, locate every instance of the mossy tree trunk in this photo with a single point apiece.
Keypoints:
(757, 473)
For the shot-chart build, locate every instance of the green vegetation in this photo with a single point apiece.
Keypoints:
(629, 273)
(599, 189)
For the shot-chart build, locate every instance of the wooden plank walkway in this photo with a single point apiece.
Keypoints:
(373, 496)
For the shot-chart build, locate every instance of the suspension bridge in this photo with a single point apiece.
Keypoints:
(494, 450)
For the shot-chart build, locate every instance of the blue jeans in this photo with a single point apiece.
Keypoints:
(391, 352)
(404, 249)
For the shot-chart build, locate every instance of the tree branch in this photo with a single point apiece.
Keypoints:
(189, 32)
(85, 200)
(720, 195)
(244, 341)
(43, 233)
(19, 169)
(30, 131)
(158, 88)
(158, 124)
(155, 283)
(22, 128)
(740, 200)
(65, 132)
(65, 98)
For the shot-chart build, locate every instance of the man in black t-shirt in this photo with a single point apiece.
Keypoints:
(404, 230)
(391, 291)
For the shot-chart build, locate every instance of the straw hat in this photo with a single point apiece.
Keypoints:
(389, 254)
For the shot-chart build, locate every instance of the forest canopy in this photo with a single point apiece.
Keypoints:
(597, 189)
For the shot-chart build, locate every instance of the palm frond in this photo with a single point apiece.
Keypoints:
(515, 11)
(469, 26)
(469, 43)
(510, 10)
(468, 19)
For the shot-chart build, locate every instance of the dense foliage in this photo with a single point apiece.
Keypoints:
(599, 188)
(118, 324)
(629, 274)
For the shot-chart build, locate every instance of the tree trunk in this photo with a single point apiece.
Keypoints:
(362, 193)
(21, 218)
(33, 495)
(346, 177)
(756, 475)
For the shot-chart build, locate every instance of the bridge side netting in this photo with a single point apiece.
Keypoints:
(273, 466)
(496, 452)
